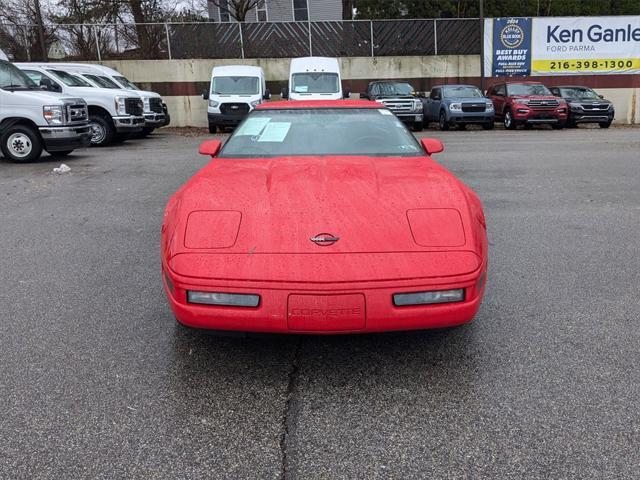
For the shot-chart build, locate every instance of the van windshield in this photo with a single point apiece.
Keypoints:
(315, 82)
(235, 86)
(11, 78)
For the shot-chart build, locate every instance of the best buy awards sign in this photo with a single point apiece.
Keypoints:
(562, 45)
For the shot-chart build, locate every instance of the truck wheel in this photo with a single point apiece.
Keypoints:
(442, 121)
(558, 126)
(212, 128)
(146, 131)
(102, 130)
(488, 126)
(418, 126)
(62, 153)
(509, 122)
(21, 143)
(605, 124)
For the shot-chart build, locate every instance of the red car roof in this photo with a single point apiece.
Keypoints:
(288, 104)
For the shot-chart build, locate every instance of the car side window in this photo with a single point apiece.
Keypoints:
(34, 75)
(555, 91)
(435, 94)
(501, 90)
(375, 89)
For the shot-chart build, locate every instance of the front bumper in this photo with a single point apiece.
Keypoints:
(154, 120)
(582, 117)
(275, 315)
(531, 116)
(225, 119)
(471, 117)
(58, 139)
(410, 117)
(129, 123)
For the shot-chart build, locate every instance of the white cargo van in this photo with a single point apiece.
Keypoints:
(155, 111)
(112, 115)
(314, 78)
(234, 91)
(32, 120)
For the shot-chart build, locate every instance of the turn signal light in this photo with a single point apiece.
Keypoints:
(428, 298)
(226, 299)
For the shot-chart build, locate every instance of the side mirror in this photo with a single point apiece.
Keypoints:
(601, 96)
(210, 147)
(205, 94)
(267, 95)
(284, 93)
(346, 93)
(432, 145)
(49, 85)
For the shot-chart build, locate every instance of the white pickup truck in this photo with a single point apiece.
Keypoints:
(32, 120)
(155, 112)
(112, 116)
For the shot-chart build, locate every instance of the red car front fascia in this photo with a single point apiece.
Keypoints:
(271, 315)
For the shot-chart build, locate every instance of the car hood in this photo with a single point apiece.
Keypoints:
(408, 204)
(587, 100)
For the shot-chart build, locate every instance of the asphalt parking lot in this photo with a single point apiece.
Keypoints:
(97, 380)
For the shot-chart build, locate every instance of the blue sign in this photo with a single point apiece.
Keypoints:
(511, 47)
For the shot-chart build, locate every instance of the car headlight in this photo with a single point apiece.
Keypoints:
(575, 106)
(121, 109)
(428, 298)
(145, 104)
(523, 101)
(213, 103)
(417, 106)
(489, 106)
(456, 107)
(224, 299)
(53, 114)
(255, 103)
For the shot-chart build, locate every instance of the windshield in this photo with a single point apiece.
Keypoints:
(11, 78)
(527, 89)
(315, 82)
(126, 83)
(103, 82)
(70, 80)
(235, 86)
(395, 89)
(579, 92)
(462, 92)
(355, 131)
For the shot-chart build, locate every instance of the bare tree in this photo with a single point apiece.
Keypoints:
(21, 33)
(237, 9)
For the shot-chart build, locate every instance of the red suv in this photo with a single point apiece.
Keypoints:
(527, 103)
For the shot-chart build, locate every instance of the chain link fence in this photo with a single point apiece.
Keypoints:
(152, 41)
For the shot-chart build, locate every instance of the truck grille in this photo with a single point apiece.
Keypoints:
(598, 107)
(234, 108)
(133, 106)
(76, 112)
(399, 106)
(474, 107)
(155, 104)
(543, 104)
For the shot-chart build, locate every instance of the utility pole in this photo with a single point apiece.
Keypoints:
(43, 45)
(482, 45)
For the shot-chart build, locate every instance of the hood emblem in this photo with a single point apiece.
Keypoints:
(324, 239)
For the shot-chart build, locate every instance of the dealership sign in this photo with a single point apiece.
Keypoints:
(562, 45)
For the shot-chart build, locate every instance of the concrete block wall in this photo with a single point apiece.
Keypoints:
(181, 82)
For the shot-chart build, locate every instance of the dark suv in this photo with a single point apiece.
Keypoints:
(527, 103)
(585, 106)
(400, 98)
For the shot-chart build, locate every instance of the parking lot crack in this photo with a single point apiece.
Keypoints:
(289, 412)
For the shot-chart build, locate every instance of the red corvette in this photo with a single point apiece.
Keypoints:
(323, 217)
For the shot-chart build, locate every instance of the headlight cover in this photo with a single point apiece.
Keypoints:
(428, 298)
(213, 103)
(223, 299)
(121, 109)
(456, 107)
(489, 106)
(145, 104)
(417, 106)
(255, 103)
(53, 114)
